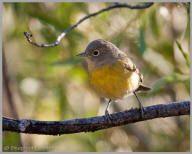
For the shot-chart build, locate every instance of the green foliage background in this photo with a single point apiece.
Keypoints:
(52, 83)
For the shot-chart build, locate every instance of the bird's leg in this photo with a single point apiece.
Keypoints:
(107, 113)
(140, 105)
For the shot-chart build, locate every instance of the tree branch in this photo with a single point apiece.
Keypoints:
(95, 123)
(59, 38)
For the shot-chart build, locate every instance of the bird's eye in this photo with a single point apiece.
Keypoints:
(95, 52)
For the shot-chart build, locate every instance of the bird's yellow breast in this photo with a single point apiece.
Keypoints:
(114, 81)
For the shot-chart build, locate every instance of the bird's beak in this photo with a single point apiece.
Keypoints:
(83, 54)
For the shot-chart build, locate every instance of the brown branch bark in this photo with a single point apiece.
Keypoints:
(95, 123)
(59, 38)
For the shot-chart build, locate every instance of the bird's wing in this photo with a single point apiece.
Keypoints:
(132, 67)
(129, 65)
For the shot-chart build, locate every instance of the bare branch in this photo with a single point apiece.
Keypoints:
(95, 123)
(59, 38)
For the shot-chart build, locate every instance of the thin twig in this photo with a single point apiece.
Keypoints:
(95, 123)
(59, 38)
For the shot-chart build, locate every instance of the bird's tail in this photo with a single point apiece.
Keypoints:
(143, 88)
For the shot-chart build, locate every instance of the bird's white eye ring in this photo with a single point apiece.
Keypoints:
(95, 52)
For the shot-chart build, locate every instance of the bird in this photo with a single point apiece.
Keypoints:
(112, 73)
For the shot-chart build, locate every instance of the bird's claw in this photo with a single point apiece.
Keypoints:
(108, 116)
(142, 111)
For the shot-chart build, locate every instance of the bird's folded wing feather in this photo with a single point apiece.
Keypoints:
(129, 65)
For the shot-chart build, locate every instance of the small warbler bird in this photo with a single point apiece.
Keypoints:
(112, 73)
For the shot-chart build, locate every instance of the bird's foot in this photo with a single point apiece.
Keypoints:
(142, 112)
(108, 116)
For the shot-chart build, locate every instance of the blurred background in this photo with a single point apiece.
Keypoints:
(52, 83)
